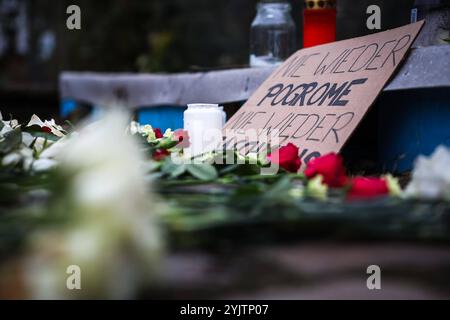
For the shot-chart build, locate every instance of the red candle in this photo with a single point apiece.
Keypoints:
(319, 22)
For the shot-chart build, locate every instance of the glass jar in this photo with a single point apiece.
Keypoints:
(272, 34)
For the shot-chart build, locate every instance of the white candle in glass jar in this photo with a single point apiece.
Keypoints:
(224, 116)
(204, 123)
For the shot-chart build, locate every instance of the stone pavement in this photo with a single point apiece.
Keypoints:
(312, 270)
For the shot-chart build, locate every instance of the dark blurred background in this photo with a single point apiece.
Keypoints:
(137, 36)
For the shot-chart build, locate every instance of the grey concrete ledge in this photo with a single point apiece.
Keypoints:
(427, 67)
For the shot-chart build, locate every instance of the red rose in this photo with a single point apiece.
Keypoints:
(286, 157)
(330, 167)
(182, 137)
(363, 188)
(160, 154)
(158, 133)
(46, 129)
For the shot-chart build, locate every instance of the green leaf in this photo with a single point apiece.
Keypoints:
(229, 169)
(167, 143)
(279, 189)
(11, 140)
(70, 124)
(168, 166)
(178, 171)
(45, 135)
(202, 171)
(171, 169)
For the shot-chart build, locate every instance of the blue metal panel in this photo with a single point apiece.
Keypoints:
(66, 107)
(411, 123)
(163, 117)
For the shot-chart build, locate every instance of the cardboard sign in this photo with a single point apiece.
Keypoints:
(319, 95)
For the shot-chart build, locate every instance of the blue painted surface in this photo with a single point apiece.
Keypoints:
(163, 117)
(66, 107)
(411, 123)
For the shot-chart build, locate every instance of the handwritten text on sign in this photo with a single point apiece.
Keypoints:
(319, 95)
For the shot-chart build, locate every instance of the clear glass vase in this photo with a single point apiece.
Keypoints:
(272, 34)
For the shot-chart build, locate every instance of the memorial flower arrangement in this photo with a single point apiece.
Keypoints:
(103, 196)
(37, 147)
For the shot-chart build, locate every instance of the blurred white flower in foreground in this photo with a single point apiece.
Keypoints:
(431, 176)
(113, 238)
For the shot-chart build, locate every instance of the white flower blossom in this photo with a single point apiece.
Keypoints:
(11, 159)
(134, 128)
(41, 143)
(47, 152)
(51, 124)
(40, 165)
(169, 133)
(24, 155)
(393, 185)
(55, 149)
(114, 238)
(147, 131)
(316, 188)
(7, 125)
(297, 192)
(27, 139)
(431, 176)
